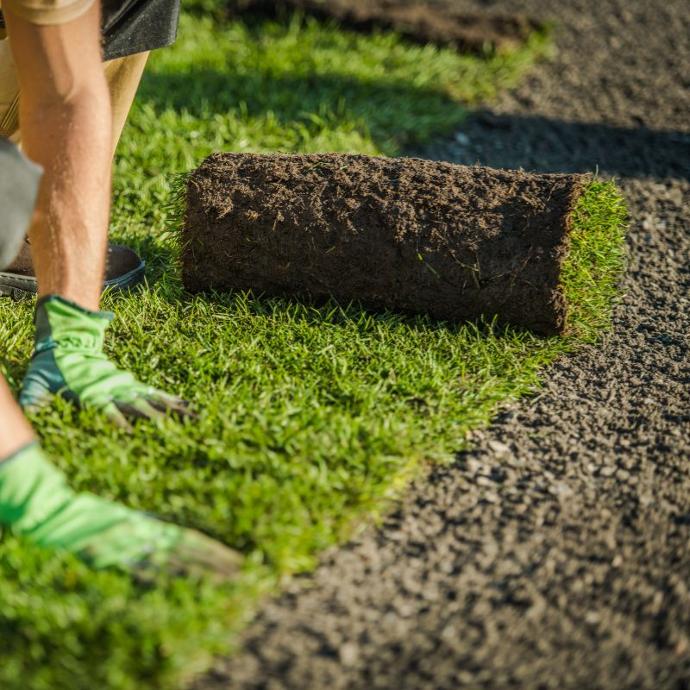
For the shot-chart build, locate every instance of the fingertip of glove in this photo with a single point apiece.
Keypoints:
(177, 407)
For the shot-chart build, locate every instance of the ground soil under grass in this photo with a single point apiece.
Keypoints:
(424, 22)
(454, 242)
(555, 554)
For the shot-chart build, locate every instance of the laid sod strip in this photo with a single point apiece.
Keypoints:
(422, 22)
(310, 418)
(450, 241)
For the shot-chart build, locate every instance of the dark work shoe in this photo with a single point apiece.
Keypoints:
(124, 269)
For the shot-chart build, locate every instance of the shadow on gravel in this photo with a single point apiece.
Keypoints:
(541, 144)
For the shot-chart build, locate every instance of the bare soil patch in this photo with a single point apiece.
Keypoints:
(423, 22)
(451, 241)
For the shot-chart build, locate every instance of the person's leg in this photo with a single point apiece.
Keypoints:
(123, 267)
(66, 125)
(60, 235)
(123, 76)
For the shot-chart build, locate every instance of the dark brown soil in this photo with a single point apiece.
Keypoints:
(556, 555)
(451, 241)
(422, 22)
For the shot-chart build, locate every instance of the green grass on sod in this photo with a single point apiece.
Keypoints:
(311, 418)
(595, 260)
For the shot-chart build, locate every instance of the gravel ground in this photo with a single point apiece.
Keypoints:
(555, 554)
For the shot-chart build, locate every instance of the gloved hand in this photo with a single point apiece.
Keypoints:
(35, 502)
(68, 360)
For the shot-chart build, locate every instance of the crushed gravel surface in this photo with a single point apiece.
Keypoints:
(556, 554)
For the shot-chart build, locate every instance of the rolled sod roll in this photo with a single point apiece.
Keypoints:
(446, 240)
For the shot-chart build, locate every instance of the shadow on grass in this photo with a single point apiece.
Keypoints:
(329, 311)
(394, 113)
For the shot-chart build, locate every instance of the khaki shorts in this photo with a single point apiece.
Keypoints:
(9, 93)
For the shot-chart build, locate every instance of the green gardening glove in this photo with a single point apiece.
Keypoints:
(36, 503)
(68, 360)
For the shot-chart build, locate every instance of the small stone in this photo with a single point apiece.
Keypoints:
(499, 448)
(562, 489)
(349, 653)
(473, 466)
(648, 223)
(592, 617)
(646, 499)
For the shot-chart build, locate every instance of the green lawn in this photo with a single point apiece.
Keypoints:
(311, 418)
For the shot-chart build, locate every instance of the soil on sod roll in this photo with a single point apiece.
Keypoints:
(451, 241)
(422, 22)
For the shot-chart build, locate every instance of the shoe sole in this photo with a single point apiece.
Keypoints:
(18, 287)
